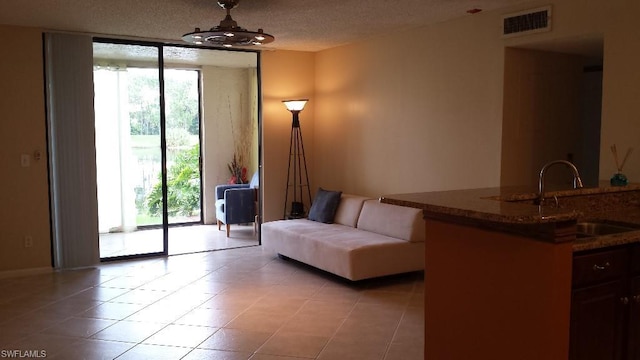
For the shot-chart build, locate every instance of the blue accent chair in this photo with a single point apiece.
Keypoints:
(236, 203)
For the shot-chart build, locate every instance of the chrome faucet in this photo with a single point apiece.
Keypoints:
(577, 181)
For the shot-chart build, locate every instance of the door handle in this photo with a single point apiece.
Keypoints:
(624, 300)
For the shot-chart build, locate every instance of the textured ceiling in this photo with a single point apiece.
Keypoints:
(305, 25)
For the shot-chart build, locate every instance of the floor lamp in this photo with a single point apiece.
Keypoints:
(297, 160)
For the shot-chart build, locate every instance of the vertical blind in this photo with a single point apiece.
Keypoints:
(72, 155)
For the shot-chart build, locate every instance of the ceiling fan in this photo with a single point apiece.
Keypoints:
(228, 33)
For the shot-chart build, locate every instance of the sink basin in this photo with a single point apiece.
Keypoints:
(600, 228)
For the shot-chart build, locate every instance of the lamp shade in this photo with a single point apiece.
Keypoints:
(295, 105)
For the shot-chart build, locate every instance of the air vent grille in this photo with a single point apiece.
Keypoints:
(527, 22)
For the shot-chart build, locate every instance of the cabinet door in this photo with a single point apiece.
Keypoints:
(597, 320)
(633, 347)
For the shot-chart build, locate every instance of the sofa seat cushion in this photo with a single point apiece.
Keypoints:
(342, 250)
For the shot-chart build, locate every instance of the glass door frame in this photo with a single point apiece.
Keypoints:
(163, 140)
(163, 147)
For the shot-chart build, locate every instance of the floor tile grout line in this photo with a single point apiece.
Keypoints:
(171, 292)
(353, 307)
(307, 300)
(148, 305)
(278, 330)
(395, 331)
(228, 322)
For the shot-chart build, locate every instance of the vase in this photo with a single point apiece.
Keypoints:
(619, 179)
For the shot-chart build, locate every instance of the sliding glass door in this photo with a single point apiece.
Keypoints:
(130, 155)
(227, 84)
(169, 121)
(182, 109)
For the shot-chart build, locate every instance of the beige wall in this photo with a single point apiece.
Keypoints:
(411, 113)
(220, 137)
(24, 200)
(541, 115)
(285, 75)
(621, 89)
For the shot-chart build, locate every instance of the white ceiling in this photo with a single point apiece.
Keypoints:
(304, 25)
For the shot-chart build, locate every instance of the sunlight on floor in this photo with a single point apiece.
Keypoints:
(182, 240)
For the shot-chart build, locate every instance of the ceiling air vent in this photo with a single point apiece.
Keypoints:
(527, 22)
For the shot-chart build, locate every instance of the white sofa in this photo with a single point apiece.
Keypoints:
(367, 239)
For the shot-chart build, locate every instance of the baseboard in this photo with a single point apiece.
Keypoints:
(25, 272)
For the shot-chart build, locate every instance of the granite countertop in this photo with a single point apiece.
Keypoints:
(485, 204)
(523, 194)
(512, 210)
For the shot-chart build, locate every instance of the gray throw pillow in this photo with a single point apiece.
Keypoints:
(324, 206)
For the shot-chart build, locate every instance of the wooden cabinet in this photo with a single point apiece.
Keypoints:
(633, 345)
(633, 348)
(605, 305)
(596, 322)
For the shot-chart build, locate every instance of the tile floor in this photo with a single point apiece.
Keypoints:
(241, 303)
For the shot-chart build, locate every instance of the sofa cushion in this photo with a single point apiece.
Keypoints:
(324, 206)
(349, 209)
(392, 220)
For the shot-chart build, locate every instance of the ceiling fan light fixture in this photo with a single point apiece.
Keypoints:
(228, 33)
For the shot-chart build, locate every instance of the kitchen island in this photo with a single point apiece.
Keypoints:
(498, 268)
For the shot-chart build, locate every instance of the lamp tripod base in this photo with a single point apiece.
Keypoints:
(297, 210)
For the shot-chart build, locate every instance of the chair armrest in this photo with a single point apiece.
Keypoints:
(220, 189)
(240, 205)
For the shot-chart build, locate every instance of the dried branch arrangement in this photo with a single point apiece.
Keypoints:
(620, 165)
